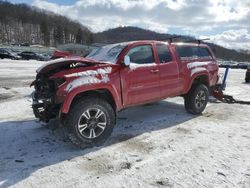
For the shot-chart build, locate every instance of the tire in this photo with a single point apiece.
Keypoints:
(197, 98)
(90, 122)
(247, 80)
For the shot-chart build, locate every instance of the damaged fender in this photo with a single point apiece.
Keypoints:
(85, 88)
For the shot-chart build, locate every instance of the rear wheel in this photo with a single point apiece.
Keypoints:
(90, 122)
(197, 98)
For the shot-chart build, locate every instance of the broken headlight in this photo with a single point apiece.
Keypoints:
(59, 82)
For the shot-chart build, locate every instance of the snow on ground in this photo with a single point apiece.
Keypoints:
(154, 145)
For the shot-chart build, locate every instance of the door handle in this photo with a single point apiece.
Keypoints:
(154, 71)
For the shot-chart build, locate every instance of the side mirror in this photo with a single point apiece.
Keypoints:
(127, 60)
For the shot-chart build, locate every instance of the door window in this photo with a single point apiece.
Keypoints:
(163, 53)
(141, 54)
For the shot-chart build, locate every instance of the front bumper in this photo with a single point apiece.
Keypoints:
(44, 109)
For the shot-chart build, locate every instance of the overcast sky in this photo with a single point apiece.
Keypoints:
(225, 22)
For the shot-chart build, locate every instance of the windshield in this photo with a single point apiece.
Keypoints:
(108, 53)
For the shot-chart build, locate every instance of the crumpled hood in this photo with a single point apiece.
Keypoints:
(62, 62)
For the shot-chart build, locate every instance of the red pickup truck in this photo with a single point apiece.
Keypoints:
(86, 93)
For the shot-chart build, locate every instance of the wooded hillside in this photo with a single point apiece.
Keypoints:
(24, 24)
(121, 34)
(20, 23)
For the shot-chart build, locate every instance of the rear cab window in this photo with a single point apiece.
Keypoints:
(193, 52)
(204, 52)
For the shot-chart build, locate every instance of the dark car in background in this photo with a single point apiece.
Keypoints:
(31, 55)
(234, 65)
(4, 53)
(248, 75)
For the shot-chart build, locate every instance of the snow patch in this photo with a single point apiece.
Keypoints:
(89, 77)
(196, 152)
(197, 69)
(134, 66)
(101, 71)
(198, 64)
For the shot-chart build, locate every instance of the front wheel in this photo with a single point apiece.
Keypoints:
(197, 98)
(90, 122)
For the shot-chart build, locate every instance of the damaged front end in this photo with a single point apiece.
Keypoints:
(50, 84)
(44, 103)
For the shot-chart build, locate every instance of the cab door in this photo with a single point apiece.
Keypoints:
(169, 72)
(140, 81)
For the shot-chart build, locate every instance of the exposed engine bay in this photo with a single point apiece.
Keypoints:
(45, 105)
